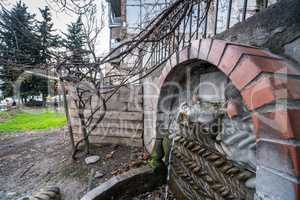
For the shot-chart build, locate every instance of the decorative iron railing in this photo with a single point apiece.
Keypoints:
(201, 19)
(174, 28)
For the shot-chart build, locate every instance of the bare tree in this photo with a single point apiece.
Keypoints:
(166, 34)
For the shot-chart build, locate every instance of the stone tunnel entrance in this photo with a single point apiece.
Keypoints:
(223, 117)
(231, 111)
(213, 153)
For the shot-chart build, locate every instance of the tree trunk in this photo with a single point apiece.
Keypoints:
(66, 107)
(44, 100)
(83, 130)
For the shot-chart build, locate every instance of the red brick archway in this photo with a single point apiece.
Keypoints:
(270, 87)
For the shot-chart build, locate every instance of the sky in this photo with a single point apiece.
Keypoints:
(61, 19)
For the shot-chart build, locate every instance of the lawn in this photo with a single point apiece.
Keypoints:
(17, 122)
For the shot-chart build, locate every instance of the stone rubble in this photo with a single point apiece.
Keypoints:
(92, 159)
(99, 174)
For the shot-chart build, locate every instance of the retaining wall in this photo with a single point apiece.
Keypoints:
(123, 121)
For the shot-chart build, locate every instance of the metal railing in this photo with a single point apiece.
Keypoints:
(175, 27)
(203, 19)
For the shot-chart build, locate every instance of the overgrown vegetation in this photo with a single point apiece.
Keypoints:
(30, 121)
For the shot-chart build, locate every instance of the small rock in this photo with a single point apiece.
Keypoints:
(251, 183)
(10, 194)
(42, 196)
(50, 194)
(34, 198)
(91, 159)
(51, 189)
(23, 198)
(99, 174)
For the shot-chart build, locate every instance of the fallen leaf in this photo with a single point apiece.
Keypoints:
(115, 172)
(146, 156)
(110, 155)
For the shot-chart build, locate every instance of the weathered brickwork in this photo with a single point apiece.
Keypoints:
(270, 88)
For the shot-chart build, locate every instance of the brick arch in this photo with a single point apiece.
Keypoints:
(270, 87)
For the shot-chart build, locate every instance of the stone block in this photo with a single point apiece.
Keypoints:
(292, 49)
(133, 106)
(233, 54)
(279, 124)
(269, 89)
(273, 186)
(249, 67)
(232, 109)
(116, 106)
(283, 157)
(116, 140)
(216, 51)
(133, 182)
(130, 116)
(204, 49)
(118, 132)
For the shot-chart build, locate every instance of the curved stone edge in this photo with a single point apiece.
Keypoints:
(131, 183)
(270, 88)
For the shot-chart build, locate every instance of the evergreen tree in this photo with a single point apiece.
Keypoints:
(48, 40)
(75, 41)
(19, 43)
(25, 41)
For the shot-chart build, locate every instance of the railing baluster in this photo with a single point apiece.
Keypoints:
(156, 55)
(229, 14)
(167, 43)
(191, 24)
(205, 24)
(162, 50)
(153, 55)
(245, 10)
(159, 50)
(184, 27)
(174, 41)
(169, 51)
(216, 17)
(198, 21)
(266, 3)
(178, 37)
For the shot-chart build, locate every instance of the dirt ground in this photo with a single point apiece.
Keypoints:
(29, 162)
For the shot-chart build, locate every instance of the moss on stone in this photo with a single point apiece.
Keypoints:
(154, 162)
(166, 146)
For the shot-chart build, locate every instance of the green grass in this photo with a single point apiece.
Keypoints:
(30, 121)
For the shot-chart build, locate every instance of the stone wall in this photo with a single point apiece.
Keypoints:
(123, 121)
(276, 28)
